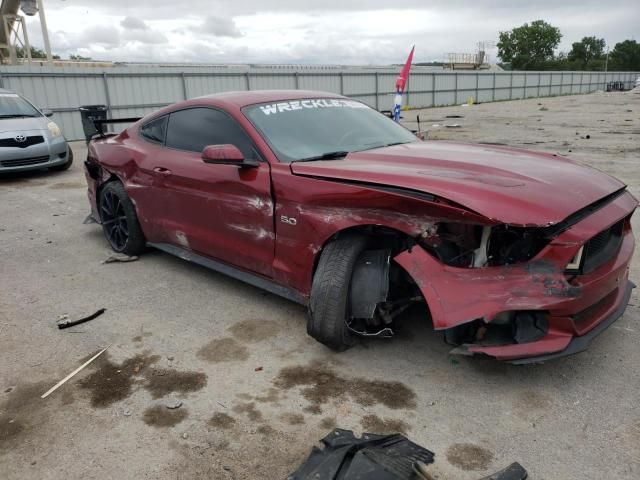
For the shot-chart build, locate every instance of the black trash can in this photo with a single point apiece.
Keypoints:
(89, 113)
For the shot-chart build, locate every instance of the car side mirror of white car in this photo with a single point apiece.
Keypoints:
(46, 112)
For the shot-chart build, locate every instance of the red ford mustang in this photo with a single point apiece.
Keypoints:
(522, 256)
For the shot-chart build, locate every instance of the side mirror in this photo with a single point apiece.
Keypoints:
(46, 112)
(226, 154)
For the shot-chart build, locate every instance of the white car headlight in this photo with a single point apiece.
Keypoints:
(54, 129)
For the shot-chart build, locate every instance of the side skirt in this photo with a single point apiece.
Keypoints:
(233, 272)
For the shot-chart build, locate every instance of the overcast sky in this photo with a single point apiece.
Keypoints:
(297, 31)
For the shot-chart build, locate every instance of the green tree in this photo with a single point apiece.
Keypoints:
(35, 53)
(79, 58)
(586, 51)
(625, 56)
(529, 47)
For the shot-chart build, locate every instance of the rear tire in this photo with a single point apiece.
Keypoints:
(329, 302)
(66, 165)
(120, 221)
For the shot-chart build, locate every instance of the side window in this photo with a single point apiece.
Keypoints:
(195, 128)
(155, 130)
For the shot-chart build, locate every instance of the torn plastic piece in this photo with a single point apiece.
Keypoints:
(68, 323)
(377, 457)
(89, 220)
(515, 471)
(120, 258)
(374, 457)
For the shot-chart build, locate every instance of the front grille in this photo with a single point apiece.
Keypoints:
(23, 162)
(28, 141)
(601, 248)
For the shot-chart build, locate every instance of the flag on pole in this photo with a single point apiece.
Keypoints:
(401, 83)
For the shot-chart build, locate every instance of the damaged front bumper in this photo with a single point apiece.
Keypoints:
(577, 308)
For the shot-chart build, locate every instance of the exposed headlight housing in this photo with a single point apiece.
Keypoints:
(54, 129)
(576, 261)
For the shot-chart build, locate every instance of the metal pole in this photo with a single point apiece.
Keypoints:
(27, 45)
(493, 91)
(341, 83)
(107, 97)
(511, 86)
(297, 80)
(246, 75)
(45, 32)
(455, 88)
(477, 85)
(184, 86)
(433, 89)
(606, 64)
(377, 100)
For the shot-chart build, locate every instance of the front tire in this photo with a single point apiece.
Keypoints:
(119, 220)
(66, 165)
(329, 302)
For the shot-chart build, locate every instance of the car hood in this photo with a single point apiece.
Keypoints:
(508, 185)
(24, 124)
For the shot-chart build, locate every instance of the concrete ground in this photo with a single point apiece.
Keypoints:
(256, 391)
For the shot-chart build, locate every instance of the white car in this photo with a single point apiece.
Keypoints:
(28, 139)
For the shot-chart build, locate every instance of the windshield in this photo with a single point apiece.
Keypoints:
(315, 129)
(12, 105)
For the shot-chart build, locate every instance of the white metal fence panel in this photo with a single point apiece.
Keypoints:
(137, 91)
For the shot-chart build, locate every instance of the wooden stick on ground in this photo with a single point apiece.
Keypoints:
(65, 379)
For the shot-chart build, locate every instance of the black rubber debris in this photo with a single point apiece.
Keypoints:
(71, 323)
(374, 457)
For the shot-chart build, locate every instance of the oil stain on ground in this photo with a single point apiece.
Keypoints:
(249, 409)
(161, 382)
(222, 420)
(293, 418)
(224, 349)
(252, 331)
(375, 424)
(111, 382)
(18, 410)
(321, 384)
(328, 423)
(160, 416)
(469, 457)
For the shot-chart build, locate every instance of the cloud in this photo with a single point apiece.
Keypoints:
(132, 23)
(220, 27)
(304, 31)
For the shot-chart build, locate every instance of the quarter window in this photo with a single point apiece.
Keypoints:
(155, 130)
(195, 128)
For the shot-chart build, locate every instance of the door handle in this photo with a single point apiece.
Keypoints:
(162, 170)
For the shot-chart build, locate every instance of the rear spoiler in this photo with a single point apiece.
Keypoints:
(100, 123)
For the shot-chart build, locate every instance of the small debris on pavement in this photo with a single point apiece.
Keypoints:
(258, 369)
(172, 403)
(9, 389)
(65, 379)
(453, 125)
(126, 412)
(70, 323)
(372, 456)
(120, 258)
